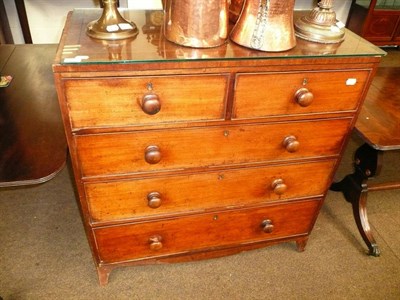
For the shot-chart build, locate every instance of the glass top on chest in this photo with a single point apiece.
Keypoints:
(151, 46)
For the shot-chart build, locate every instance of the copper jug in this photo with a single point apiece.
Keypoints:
(266, 25)
(196, 23)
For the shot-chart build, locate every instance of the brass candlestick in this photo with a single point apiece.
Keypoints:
(111, 25)
(320, 25)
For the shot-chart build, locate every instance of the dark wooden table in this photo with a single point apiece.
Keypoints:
(32, 141)
(379, 126)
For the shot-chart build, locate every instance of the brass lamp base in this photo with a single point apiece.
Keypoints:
(111, 25)
(318, 33)
(100, 31)
(320, 25)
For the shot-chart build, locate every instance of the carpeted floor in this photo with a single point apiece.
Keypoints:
(44, 253)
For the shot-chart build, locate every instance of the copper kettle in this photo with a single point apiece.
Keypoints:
(198, 24)
(266, 25)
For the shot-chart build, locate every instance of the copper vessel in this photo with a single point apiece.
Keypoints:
(198, 24)
(266, 25)
(235, 9)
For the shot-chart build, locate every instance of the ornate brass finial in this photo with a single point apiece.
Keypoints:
(111, 25)
(320, 25)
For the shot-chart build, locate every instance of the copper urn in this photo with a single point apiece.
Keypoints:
(266, 25)
(198, 24)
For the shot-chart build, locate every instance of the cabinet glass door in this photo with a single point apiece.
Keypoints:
(379, 4)
(388, 4)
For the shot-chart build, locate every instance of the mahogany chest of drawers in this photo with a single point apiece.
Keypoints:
(182, 154)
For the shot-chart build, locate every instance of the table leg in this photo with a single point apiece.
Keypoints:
(367, 164)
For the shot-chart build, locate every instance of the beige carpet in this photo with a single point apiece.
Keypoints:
(44, 254)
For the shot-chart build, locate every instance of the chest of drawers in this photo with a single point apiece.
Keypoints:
(182, 154)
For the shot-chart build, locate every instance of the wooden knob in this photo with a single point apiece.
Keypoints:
(152, 155)
(154, 199)
(151, 104)
(279, 186)
(291, 143)
(267, 226)
(304, 97)
(155, 243)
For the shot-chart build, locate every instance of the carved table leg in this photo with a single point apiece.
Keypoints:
(367, 163)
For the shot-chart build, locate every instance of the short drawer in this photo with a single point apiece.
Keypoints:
(216, 230)
(163, 150)
(151, 197)
(265, 95)
(145, 100)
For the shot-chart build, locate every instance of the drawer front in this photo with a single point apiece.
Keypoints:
(186, 234)
(123, 101)
(263, 95)
(108, 154)
(153, 197)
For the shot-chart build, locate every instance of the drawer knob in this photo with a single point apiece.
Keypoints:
(291, 143)
(267, 226)
(151, 104)
(155, 243)
(304, 97)
(152, 155)
(279, 186)
(154, 199)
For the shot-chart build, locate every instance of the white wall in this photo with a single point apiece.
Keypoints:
(47, 17)
(145, 4)
(342, 9)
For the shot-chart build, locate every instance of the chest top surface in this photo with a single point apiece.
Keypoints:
(150, 46)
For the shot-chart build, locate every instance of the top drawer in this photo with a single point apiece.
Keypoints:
(145, 100)
(265, 95)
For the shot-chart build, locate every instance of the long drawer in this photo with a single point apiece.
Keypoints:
(263, 95)
(201, 232)
(161, 150)
(117, 101)
(153, 197)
